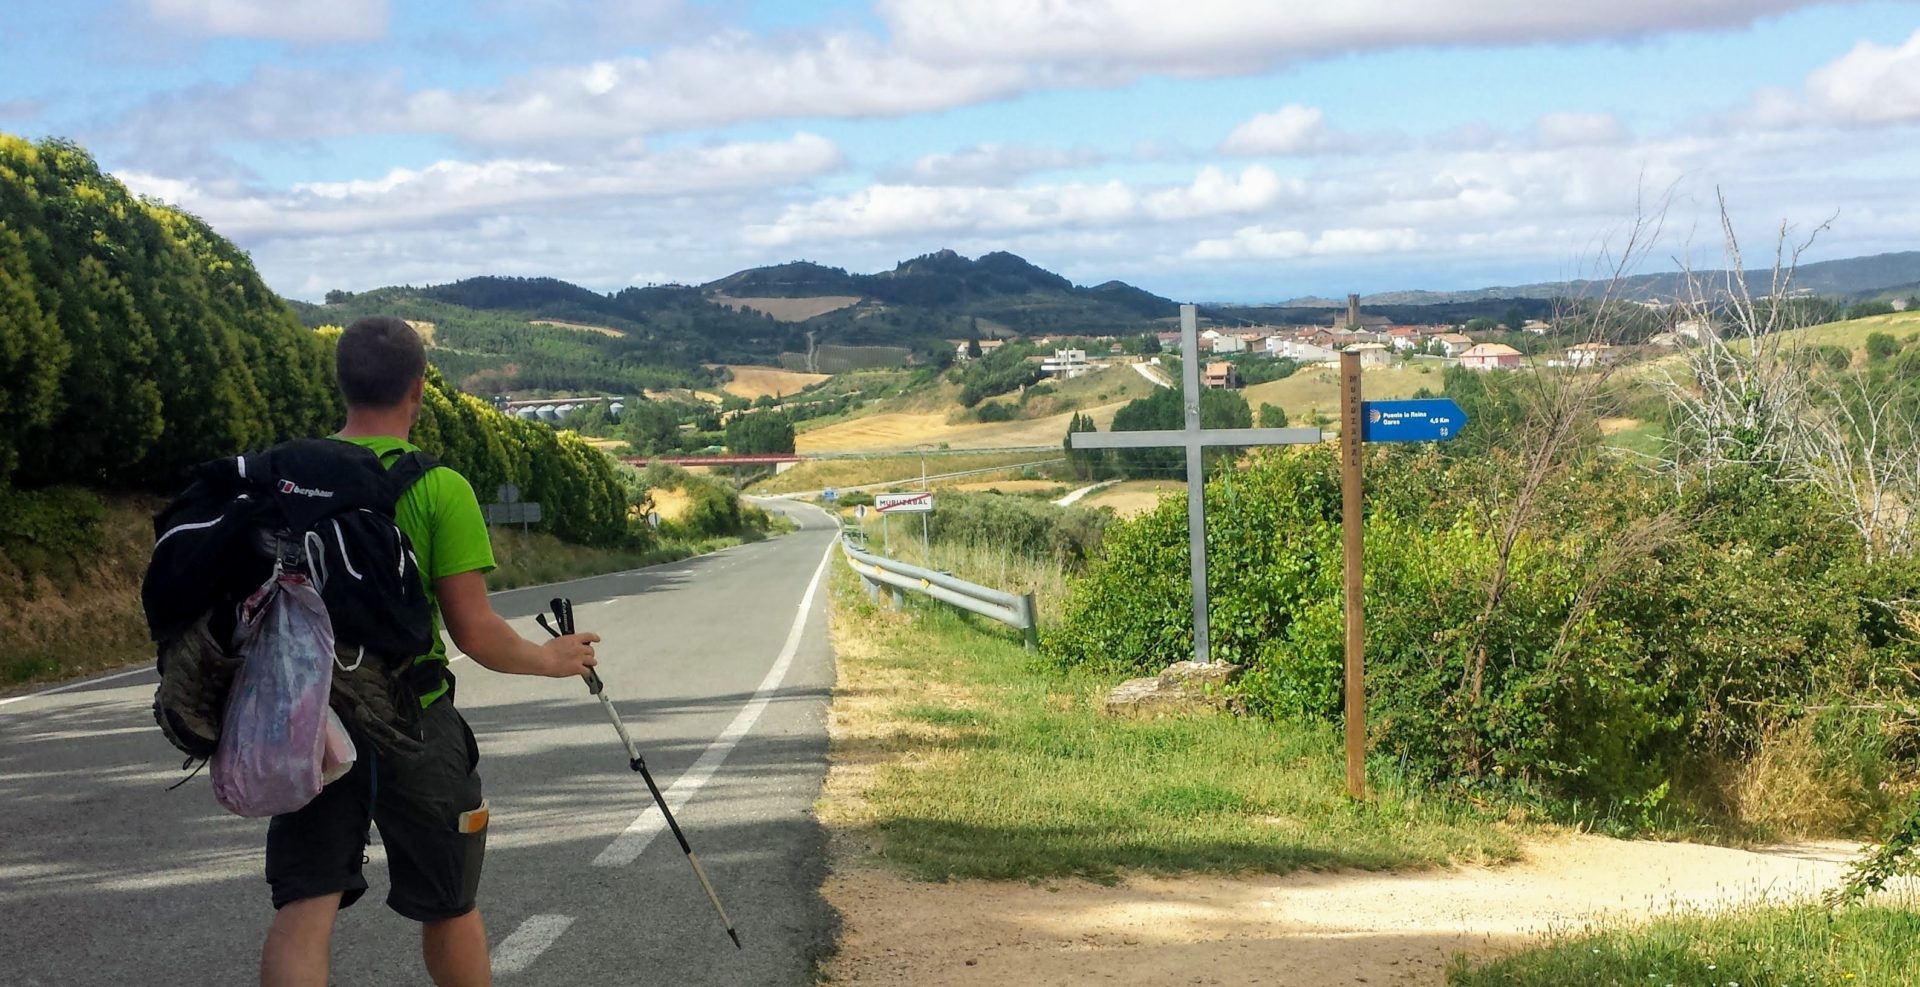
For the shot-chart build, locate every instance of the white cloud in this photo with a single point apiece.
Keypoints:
(895, 209)
(1252, 243)
(450, 191)
(1215, 193)
(1292, 129)
(1872, 84)
(1578, 129)
(1366, 241)
(993, 164)
(1223, 36)
(279, 20)
(727, 78)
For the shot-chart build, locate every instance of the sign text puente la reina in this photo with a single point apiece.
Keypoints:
(1435, 420)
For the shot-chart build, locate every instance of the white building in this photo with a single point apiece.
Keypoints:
(1066, 364)
(1229, 343)
(1588, 355)
(1372, 354)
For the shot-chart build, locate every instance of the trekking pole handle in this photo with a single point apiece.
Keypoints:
(594, 685)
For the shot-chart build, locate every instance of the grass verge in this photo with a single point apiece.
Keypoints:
(71, 618)
(1782, 946)
(956, 756)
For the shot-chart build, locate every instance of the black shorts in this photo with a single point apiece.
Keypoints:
(432, 822)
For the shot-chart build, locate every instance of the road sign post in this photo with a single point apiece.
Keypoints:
(1426, 420)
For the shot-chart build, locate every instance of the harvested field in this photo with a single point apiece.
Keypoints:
(1313, 388)
(1133, 497)
(790, 309)
(752, 382)
(1011, 486)
(901, 430)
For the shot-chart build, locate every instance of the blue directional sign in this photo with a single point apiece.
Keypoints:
(1432, 420)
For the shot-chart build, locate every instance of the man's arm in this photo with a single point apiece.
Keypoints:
(491, 641)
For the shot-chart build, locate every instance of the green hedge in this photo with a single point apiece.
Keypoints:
(1597, 673)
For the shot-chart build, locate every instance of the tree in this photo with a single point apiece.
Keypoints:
(973, 348)
(338, 297)
(1164, 409)
(1272, 416)
(759, 433)
(650, 427)
(764, 401)
(1516, 319)
(1149, 343)
(1881, 345)
(1087, 464)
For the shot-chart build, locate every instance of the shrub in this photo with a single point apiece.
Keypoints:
(1640, 634)
(1020, 526)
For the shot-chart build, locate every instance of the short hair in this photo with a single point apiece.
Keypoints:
(378, 359)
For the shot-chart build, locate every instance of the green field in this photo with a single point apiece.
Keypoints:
(1804, 944)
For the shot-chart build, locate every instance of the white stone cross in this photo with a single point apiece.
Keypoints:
(1194, 439)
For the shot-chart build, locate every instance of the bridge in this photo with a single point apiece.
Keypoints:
(781, 462)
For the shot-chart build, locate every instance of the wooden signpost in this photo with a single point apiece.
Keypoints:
(1430, 420)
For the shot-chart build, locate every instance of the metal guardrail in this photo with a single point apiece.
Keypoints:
(1014, 610)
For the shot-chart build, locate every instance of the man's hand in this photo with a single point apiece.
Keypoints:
(569, 655)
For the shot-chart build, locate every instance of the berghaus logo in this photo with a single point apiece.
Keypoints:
(290, 487)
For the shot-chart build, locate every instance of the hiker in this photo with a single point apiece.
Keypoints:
(427, 805)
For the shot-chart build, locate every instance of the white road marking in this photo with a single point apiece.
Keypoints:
(517, 951)
(73, 685)
(629, 845)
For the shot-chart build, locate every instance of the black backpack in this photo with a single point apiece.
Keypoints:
(322, 506)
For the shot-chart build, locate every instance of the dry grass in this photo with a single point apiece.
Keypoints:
(1316, 389)
(1134, 497)
(815, 474)
(1800, 784)
(752, 382)
(790, 309)
(88, 622)
(1014, 486)
(902, 430)
(425, 329)
(577, 326)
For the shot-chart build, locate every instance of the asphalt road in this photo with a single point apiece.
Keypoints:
(720, 667)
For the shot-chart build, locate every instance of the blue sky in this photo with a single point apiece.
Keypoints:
(1207, 150)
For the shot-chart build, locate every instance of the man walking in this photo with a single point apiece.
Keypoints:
(428, 806)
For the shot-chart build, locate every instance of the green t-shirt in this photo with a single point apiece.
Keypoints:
(441, 516)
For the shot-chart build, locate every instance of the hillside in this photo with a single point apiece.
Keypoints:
(501, 333)
(1890, 275)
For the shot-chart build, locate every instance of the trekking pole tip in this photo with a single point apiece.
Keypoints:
(735, 936)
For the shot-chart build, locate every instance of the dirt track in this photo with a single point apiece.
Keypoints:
(1302, 930)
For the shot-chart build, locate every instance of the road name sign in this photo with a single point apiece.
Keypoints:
(907, 503)
(1426, 420)
(521, 512)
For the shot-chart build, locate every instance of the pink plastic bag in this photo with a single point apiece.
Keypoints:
(273, 737)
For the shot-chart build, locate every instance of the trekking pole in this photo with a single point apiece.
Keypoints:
(563, 614)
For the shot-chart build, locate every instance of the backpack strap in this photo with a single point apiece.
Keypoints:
(409, 469)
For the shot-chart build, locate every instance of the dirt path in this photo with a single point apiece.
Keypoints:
(1309, 930)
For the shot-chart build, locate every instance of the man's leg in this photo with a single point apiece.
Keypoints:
(298, 943)
(456, 951)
